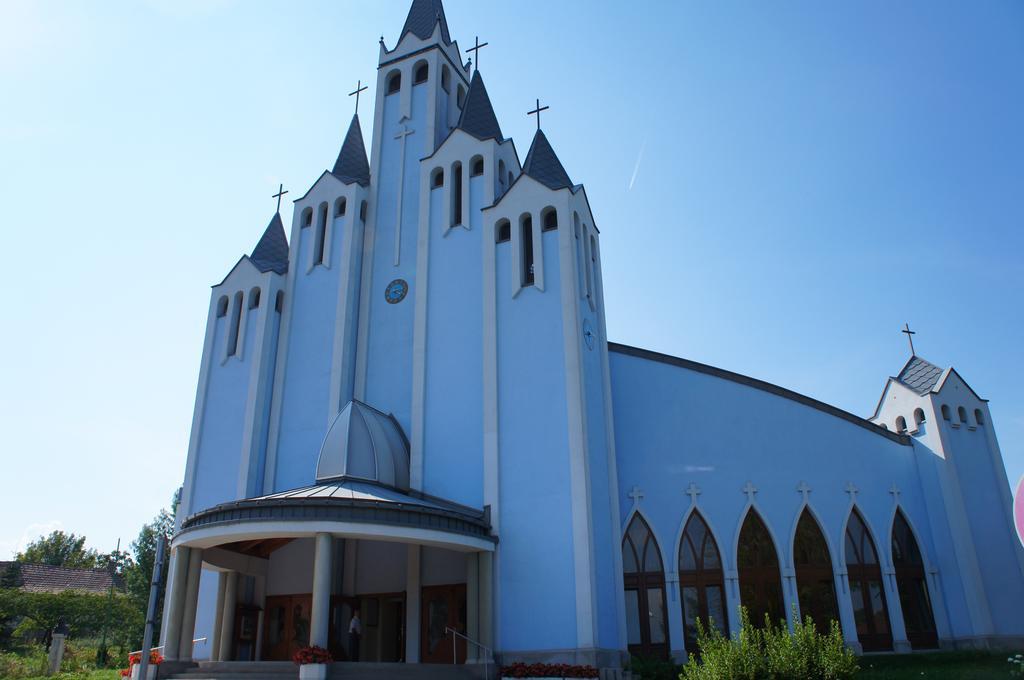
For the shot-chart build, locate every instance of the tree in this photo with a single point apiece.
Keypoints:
(138, 571)
(60, 550)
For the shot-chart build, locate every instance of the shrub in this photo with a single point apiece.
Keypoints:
(308, 655)
(771, 652)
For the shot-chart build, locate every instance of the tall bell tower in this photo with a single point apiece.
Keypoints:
(421, 89)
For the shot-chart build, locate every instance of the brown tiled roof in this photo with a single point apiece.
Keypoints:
(44, 578)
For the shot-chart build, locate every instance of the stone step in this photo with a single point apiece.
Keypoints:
(285, 670)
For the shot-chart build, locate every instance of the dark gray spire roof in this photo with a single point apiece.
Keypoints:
(543, 165)
(352, 165)
(423, 15)
(271, 253)
(920, 375)
(478, 117)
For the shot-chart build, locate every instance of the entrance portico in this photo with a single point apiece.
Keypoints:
(293, 566)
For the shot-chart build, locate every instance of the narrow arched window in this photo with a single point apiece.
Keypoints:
(581, 265)
(815, 584)
(945, 412)
(362, 211)
(254, 298)
(307, 217)
(446, 79)
(962, 413)
(437, 178)
(279, 302)
(501, 175)
(339, 207)
(866, 592)
(644, 583)
(760, 578)
(919, 416)
(586, 246)
(476, 167)
(460, 96)
(222, 306)
(321, 235)
(456, 194)
(236, 322)
(420, 73)
(901, 425)
(701, 582)
(549, 219)
(394, 82)
(979, 418)
(503, 231)
(912, 586)
(526, 246)
(511, 178)
(883, 426)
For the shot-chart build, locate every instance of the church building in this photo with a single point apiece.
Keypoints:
(408, 407)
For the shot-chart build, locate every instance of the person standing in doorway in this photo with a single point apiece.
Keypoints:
(355, 632)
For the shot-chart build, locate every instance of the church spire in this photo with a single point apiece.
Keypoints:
(543, 165)
(271, 253)
(423, 16)
(352, 165)
(478, 117)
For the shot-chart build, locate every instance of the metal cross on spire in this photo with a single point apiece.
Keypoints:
(537, 112)
(475, 49)
(359, 88)
(910, 337)
(280, 192)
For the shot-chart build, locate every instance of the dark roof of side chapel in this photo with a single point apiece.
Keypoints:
(919, 375)
(478, 117)
(352, 165)
(45, 578)
(271, 253)
(543, 165)
(423, 15)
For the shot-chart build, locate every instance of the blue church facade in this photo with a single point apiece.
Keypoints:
(408, 408)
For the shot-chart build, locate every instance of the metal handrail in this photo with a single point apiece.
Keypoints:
(455, 657)
(153, 649)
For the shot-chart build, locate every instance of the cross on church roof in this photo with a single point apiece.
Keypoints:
(636, 494)
(805, 489)
(475, 49)
(895, 491)
(537, 111)
(280, 192)
(910, 337)
(693, 491)
(750, 490)
(359, 88)
(852, 490)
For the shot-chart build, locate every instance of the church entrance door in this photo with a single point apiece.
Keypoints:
(443, 607)
(287, 628)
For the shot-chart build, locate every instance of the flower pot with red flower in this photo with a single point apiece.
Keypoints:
(312, 663)
(155, 659)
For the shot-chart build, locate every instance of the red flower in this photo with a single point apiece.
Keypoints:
(308, 655)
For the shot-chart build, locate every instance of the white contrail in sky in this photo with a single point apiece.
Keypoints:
(636, 168)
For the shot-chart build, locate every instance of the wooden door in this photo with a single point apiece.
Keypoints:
(443, 607)
(286, 626)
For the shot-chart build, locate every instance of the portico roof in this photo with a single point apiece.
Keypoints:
(343, 507)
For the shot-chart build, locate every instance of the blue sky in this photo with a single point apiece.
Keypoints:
(779, 187)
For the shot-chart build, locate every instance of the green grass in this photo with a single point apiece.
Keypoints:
(106, 674)
(936, 665)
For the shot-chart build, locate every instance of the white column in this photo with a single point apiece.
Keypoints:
(227, 629)
(413, 595)
(846, 619)
(472, 605)
(486, 580)
(321, 612)
(176, 602)
(900, 643)
(218, 616)
(188, 619)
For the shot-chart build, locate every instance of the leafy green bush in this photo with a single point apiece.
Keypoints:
(771, 652)
(34, 614)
